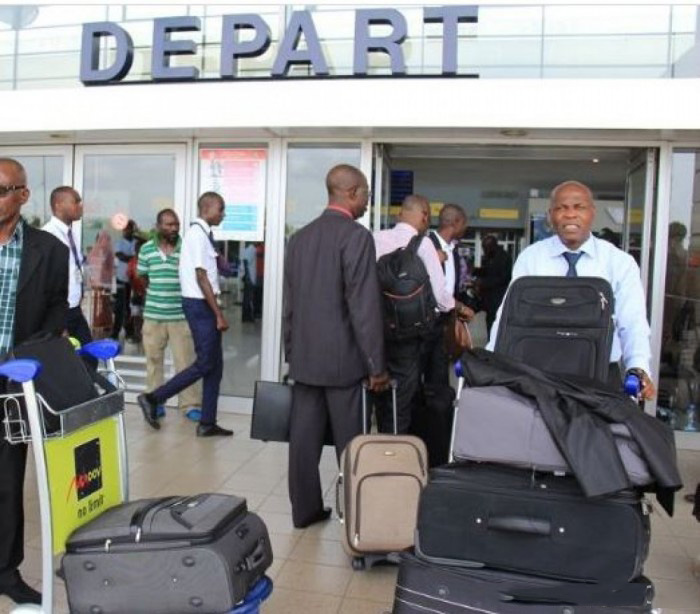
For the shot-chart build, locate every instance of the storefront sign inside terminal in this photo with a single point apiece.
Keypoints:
(290, 52)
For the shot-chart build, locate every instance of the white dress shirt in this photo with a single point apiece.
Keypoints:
(387, 241)
(599, 259)
(198, 253)
(75, 276)
(449, 264)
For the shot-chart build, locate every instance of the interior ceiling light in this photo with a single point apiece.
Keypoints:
(514, 132)
(595, 160)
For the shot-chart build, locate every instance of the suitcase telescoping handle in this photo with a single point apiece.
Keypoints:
(365, 392)
(520, 524)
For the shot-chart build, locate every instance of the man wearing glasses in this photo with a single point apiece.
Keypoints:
(33, 283)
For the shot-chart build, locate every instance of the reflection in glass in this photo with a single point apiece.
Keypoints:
(679, 372)
(118, 188)
(307, 166)
(44, 173)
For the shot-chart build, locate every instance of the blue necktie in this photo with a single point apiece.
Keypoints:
(572, 259)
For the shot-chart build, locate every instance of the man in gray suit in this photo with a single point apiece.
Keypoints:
(333, 334)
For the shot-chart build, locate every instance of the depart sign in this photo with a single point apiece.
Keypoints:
(301, 25)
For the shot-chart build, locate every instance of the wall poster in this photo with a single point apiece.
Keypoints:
(240, 176)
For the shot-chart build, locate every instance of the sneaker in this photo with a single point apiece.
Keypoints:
(148, 409)
(194, 414)
(213, 430)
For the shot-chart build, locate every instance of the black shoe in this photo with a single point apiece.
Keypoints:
(212, 430)
(149, 409)
(21, 592)
(323, 516)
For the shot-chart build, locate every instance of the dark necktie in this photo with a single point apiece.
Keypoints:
(74, 250)
(572, 259)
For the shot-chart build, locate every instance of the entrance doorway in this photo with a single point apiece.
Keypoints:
(504, 191)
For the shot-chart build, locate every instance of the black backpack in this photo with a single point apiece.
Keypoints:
(409, 304)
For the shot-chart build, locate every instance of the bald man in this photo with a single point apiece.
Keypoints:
(574, 251)
(333, 334)
(33, 295)
(404, 355)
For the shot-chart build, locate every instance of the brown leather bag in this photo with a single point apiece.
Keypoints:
(458, 339)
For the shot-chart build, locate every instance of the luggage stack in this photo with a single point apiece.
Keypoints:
(506, 528)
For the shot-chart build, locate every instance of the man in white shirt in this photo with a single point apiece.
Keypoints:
(199, 280)
(574, 251)
(67, 207)
(404, 355)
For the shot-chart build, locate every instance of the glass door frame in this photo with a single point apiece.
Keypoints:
(181, 152)
(65, 151)
(274, 251)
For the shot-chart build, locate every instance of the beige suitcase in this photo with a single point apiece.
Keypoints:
(379, 484)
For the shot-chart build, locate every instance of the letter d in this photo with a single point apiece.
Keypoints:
(90, 71)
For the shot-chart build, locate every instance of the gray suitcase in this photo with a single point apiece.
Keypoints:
(495, 425)
(172, 554)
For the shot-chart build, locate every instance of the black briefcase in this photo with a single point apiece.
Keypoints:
(272, 408)
(534, 523)
(423, 587)
(561, 325)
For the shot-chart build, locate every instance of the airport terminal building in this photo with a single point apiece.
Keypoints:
(142, 107)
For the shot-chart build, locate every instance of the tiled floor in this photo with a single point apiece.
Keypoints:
(311, 572)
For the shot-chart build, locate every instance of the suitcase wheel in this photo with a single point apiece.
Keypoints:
(358, 563)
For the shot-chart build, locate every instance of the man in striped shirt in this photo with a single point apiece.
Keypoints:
(164, 319)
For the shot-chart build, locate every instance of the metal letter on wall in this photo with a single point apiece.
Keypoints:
(288, 54)
(391, 44)
(164, 47)
(93, 33)
(450, 17)
(232, 48)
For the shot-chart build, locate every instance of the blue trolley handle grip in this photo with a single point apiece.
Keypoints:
(20, 370)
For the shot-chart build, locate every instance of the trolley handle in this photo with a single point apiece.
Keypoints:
(20, 370)
(365, 391)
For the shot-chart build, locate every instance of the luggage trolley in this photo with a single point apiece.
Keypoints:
(81, 468)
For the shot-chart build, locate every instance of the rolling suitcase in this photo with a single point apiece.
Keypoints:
(561, 325)
(422, 587)
(171, 554)
(496, 425)
(534, 523)
(377, 492)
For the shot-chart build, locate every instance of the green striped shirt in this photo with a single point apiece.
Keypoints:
(163, 296)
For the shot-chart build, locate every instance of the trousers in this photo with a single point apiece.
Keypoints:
(312, 408)
(209, 362)
(157, 335)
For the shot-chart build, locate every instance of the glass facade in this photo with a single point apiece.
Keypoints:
(679, 371)
(40, 45)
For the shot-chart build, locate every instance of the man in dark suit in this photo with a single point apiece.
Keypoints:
(333, 333)
(33, 283)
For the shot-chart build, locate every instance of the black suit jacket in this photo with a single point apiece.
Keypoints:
(333, 327)
(42, 288)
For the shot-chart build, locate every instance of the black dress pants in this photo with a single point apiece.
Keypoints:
(404, 361)
(312, 408)
(13, 461)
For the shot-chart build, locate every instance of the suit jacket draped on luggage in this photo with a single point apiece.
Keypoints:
(576, 411)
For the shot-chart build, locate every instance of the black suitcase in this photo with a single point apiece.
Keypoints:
(539, 524)
(422, 587)
(561, 325)
(171, 554)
